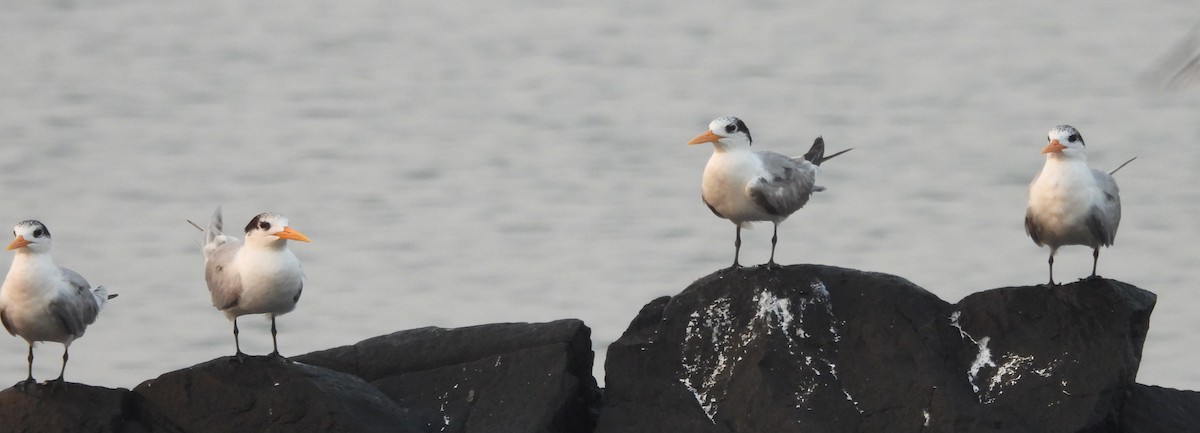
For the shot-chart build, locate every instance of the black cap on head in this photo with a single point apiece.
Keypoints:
(254, 223)
(40, 229)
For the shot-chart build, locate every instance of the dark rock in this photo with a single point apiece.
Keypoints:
(1059, 357)
(264, 394)
(512, 377)
(490, 378)
(1152, 409)
(66, 407)
(815, 348)
(799, 348)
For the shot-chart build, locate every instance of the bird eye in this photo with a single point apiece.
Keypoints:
(1073, 138)
(264, 225)
(39, 233)
(730, 128)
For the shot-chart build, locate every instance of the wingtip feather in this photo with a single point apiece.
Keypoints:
(1114, 171)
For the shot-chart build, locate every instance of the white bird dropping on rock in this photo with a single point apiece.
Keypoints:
(41, 301)
(1071, 203)
(743, 185)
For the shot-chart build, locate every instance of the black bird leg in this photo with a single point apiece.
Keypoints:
(1095, 259)
(737, 246)
(238, 355)
(1051, 270)
(774, 239)
(24, 384)
(66, 354)
(274, 343)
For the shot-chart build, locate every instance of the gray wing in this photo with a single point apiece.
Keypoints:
(78, 309)
(1105, 216)
(215, 224)
(298, 292)
(1032, 228)
(8, 326)
(711, 208)
(786, 187)
(224, 283)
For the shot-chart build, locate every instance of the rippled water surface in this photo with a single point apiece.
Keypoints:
(458, 164)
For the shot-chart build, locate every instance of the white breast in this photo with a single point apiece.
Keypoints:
(724, 185)
(1060, 200)
(32, 283)
(271, 279)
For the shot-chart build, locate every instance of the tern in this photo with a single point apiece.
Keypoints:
(1071, 203)
(744, 185)
(258, 276)
(41, 301)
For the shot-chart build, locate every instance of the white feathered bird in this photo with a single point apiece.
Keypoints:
(258, 276)
(41, 301)
(1071, 203)
(743, 185)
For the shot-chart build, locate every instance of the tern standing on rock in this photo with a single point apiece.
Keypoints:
(260, 276)
(1071, 203)
(41, 301)
(744, 185)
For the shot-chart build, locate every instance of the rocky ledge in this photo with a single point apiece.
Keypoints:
(816, 348)
(800, 348)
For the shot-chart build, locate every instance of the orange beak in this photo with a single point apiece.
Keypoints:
(288, 233)
(706, 137)
(1053, 147)
(19, 242)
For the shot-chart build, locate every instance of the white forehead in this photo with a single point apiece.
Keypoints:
(28, 225)
(273, 218)
(720, 123)
(1062, 131)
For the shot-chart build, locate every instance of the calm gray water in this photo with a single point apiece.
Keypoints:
(461, 164)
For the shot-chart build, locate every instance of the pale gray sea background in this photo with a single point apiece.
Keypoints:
(464, 163)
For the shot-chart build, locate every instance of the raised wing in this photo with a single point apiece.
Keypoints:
(215, 224)
(214, 238)
(786, 187)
